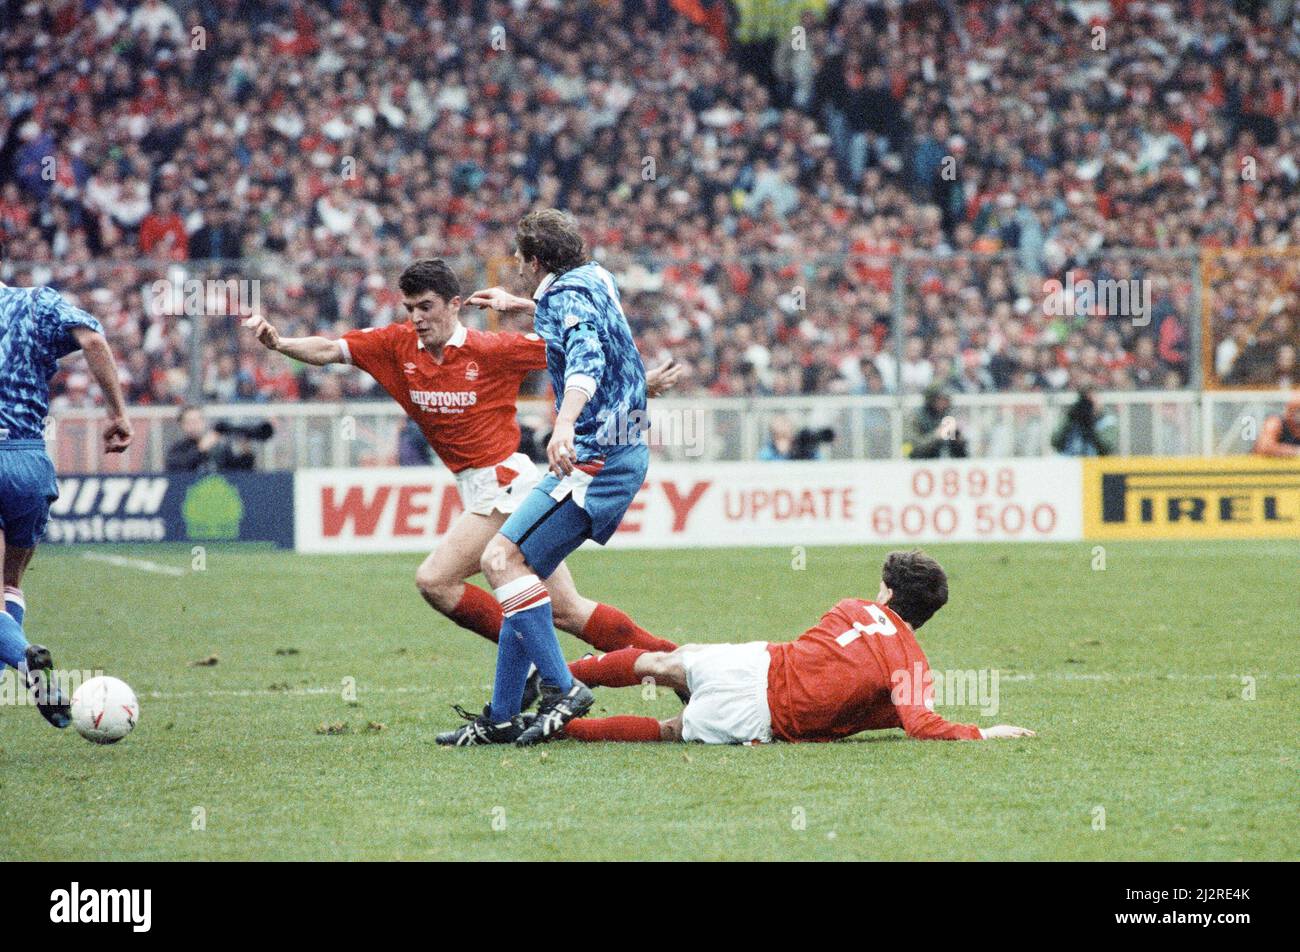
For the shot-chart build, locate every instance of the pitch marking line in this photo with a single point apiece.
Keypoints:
(1150, 676)
(273, 692)
(142, 565)
(1054, 676)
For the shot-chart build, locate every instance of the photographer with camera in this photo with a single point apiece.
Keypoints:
(934, 432)
(1084, 432)
(225, 446)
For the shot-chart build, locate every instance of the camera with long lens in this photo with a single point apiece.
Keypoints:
(258, 432)
(808, 440)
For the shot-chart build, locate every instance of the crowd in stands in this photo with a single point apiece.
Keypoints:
(763, 177)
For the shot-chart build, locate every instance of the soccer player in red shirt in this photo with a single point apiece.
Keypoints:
(857, 669)
(460, 387)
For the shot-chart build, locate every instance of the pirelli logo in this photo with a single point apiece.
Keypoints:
(1172, 498)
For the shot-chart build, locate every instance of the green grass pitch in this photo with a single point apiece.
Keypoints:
(1133, 677)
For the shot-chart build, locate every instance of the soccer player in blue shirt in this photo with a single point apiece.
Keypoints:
(37, 327)
(598, 459)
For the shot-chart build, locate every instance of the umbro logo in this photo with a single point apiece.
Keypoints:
(409, 368)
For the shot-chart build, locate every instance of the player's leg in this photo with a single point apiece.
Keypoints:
(727, 686)
(441, 577)
(27, 487)
(570, 609)
(532, 543)
(629, 667)
(548, 530)
(23, 513)
(592, 502)
(604, 627)
(625, 729)
(36, 665)
(13, 643)
(15, 564)
(531, 546)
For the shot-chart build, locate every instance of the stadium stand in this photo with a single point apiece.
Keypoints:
(771, 181)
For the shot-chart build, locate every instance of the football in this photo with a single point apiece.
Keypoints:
(104, 710)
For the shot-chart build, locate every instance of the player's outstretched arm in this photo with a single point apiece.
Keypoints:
(1005, 732)
(318, 351)
(499, 299)
(99, 357)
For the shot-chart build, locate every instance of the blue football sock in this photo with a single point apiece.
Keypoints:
(537, 628)
(527, 634)
(15, 604)
(13, 643)
(512, 674)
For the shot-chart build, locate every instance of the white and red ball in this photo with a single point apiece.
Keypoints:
(104, 710)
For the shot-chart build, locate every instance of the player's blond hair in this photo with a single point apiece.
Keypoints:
(551, 238)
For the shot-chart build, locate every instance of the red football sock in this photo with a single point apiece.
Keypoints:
(613, 670)
(626, 728)
(609, 629)
(479, 611)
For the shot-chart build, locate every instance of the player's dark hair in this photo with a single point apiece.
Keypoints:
(429, 274)
(551, 238)
(919, 584)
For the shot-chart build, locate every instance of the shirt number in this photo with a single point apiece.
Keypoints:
(881, 625)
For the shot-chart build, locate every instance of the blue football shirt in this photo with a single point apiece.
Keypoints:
(589, 347)
(36, 327)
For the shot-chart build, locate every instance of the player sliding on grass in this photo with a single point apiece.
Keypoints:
(37, 327)
(598, 459)
(858, 669)
(460, 386)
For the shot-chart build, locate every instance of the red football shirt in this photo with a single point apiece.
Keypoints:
(839, 678)
(466, 405)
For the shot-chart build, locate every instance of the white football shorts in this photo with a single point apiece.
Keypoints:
(728, 685)
(501, 487)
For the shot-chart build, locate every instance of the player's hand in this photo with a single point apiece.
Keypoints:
(559, 451)
(117, 435)
(266, 335)
(499, 299)
(1005, 732)
(663, 378)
